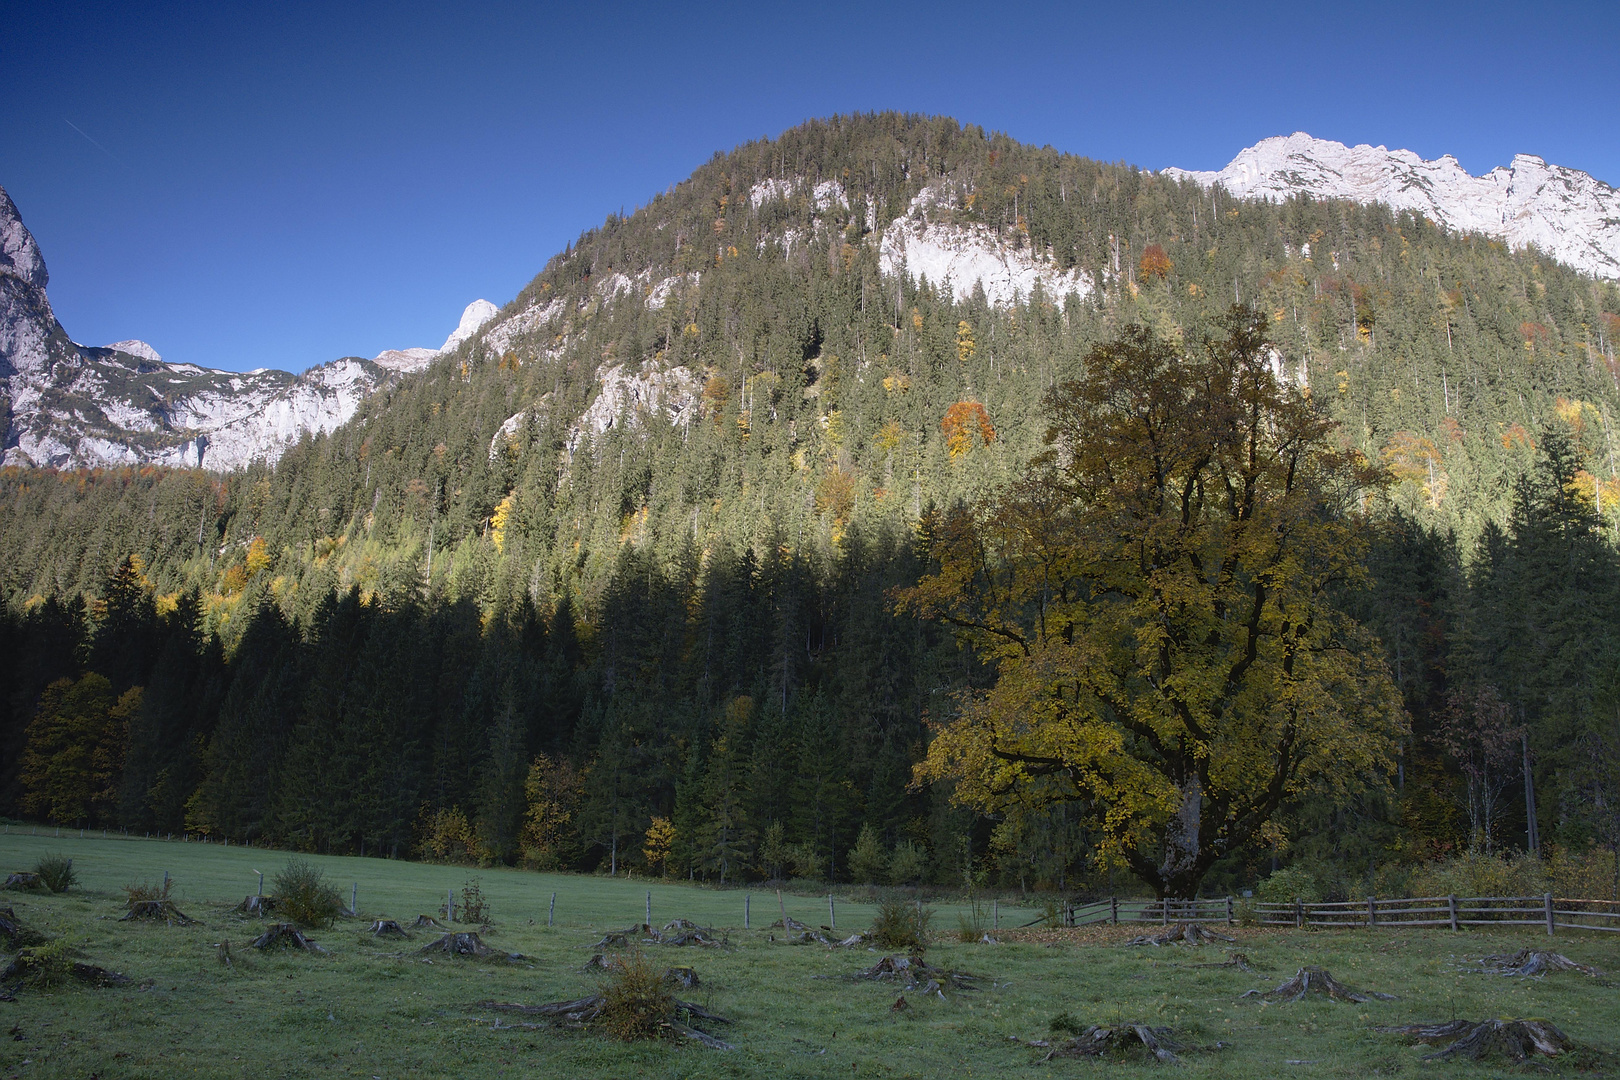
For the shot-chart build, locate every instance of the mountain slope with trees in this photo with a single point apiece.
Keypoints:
(629, 555)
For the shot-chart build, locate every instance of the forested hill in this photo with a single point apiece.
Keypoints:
(645, 520)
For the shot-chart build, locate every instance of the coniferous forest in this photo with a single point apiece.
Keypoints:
(469, 626)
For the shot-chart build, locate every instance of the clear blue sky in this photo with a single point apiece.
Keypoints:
(248, 185)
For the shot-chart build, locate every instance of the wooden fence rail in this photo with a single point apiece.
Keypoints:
(1451, 912)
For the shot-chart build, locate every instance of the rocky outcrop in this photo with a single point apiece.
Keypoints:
(1565, 213)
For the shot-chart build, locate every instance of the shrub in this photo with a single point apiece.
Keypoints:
(901, 924)
(636, 1000)
(140, 891)
(1481, 875)
(305, 896)
(1065, 1024)
(474, 906)
(56, 871)
(1285, 884)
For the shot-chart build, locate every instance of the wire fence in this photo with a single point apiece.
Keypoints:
(1451, 912)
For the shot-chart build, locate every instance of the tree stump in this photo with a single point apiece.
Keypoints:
(1120, 1040)
(16, 934)
(387, 928)
(1535, 962)
(1513, 1040)
(428, 922)
(683, 977)
(465, 944)
(162, 911)
(1190, 932)
(1315, 980)
(286, 936)
(257, 905)
(23, 881)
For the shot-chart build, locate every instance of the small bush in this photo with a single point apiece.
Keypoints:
(474, 906)
(901, 924)
(971, 927)
(1481, 875)
(1065, 1024)
(56, 871)
(305, 896)
(1285, 884)
(139, 891)
(636, 1000)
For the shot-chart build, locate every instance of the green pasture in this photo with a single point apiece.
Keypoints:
(378, 1009)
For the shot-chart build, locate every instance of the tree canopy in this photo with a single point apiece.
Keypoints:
(1158, 598)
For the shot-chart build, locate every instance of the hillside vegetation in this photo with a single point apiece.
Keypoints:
(472, 624)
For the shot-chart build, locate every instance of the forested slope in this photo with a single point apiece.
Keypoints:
(645, 523)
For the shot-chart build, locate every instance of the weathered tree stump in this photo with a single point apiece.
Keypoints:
(23, 881)
(16, 934)
(95, 975)
(615, 940)
(683, 977)
(1120, 1040)
(162, 911)
(387, 928)
(1535, 962)
(1190, 932)
(1315, 980)
(1512, 1040)
(582, 1012)
(917, 975)
(428, 922)
(789, 924)
(286, 936)
(257, 905)
(467, 944)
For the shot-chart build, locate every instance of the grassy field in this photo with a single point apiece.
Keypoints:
(376, 1009)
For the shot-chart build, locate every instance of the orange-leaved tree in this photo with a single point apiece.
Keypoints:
(962, 422)
(1157, 598)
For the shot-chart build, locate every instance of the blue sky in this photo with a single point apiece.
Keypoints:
(247, 185)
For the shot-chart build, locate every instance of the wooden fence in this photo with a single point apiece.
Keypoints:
(1451, 912)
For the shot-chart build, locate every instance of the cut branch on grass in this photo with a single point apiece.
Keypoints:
(1315, 980)
(1191, 933)
(1512, 1040)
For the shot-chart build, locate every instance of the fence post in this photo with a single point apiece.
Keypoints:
(1228, 909)
(747, 897)
(354, 899)
(1164, 911)
(1451, 903)
(551, 916)
(1299, 912)
(649, 909)
(1549, 903)
(832, 913)
(1113, 905)
(995, 913)
(1372, 912)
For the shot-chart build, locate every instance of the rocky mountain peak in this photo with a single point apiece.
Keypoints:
(19, 254)
(1565, 213)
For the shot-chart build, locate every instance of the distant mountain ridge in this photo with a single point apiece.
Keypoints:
(63, 404)
(1566, 213)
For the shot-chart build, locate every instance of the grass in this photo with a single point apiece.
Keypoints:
(374, 1009)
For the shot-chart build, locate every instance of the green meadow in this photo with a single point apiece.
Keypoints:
(377, 1008)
